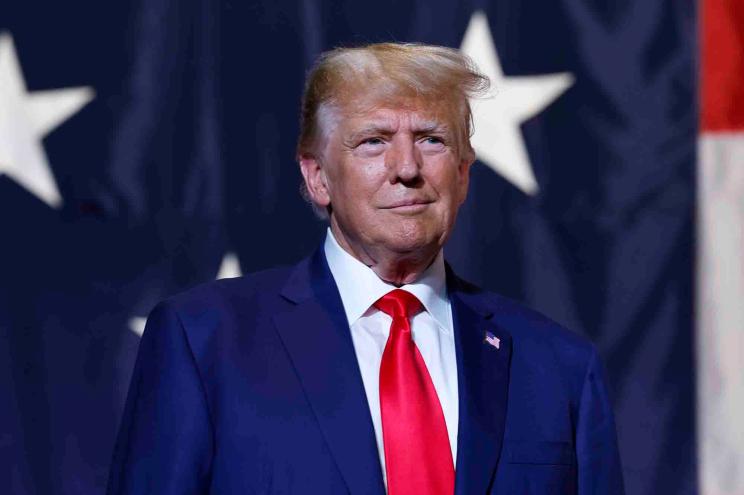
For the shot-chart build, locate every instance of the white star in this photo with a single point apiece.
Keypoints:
(137, 325)
(498, 139)
(25, 118)
(229, 268)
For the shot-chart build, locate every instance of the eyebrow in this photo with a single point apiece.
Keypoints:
(430, 126)
(371, 129)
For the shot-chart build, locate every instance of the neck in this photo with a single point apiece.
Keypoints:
(392, 267)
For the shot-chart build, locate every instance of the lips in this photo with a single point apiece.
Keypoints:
(408, 203)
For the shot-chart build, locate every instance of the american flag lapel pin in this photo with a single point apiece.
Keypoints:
(493, 340)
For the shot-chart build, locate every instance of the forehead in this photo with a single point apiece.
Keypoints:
(413, 113)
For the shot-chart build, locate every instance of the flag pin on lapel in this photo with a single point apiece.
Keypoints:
(493, 340)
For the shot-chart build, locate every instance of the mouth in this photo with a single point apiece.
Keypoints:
(408, 206)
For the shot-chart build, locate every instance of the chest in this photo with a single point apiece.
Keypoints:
(269, 437)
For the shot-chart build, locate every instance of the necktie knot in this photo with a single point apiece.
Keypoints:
(399, 304)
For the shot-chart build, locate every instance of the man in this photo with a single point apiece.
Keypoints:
(369, 366)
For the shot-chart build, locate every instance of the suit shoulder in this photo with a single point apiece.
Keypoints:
(252, 286)
(540, 343)
(538, 326)
(223, 311)
(531, 329)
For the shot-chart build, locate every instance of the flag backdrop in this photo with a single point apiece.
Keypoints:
(720, 329)
(147, 146)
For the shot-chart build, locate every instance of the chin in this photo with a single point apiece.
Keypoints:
(411, 240)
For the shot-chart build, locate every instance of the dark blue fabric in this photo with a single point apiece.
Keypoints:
(140, 174)
(251, 385)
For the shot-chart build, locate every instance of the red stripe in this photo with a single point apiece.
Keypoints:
(723, 65)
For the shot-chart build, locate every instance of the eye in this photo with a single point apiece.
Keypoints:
(370, 146)
(432, 144)
(373, 141)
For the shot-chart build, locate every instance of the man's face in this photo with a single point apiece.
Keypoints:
(393, 178)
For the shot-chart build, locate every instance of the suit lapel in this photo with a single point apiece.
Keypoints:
(317, 337)
(483, 380)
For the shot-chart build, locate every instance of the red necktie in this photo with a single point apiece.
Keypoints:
(418, 458)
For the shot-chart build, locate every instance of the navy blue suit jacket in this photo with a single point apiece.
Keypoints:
(251, 385)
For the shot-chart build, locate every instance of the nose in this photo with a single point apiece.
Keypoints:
(404, 161)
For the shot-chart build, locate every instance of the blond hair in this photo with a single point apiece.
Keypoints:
(388, 73)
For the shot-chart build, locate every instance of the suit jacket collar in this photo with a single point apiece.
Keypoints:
(483, 383)
(317, 337)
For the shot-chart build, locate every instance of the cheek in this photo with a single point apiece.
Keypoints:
(449, 183)
(362, 178)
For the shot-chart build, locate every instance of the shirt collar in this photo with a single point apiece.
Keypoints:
(360, 287)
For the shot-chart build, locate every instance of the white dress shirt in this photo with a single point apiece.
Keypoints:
(432, 331)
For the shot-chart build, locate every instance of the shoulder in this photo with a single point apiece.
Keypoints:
(213, 320)
(522, 322)
(537, 340)
(219, 305)
(529, 326)
(262, 284)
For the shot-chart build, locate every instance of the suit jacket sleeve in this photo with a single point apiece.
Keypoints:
(165, 441)
(596, 439)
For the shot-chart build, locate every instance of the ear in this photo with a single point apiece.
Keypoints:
(463, 174)
(315, 180)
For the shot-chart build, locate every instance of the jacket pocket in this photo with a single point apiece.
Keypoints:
(539, 452)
